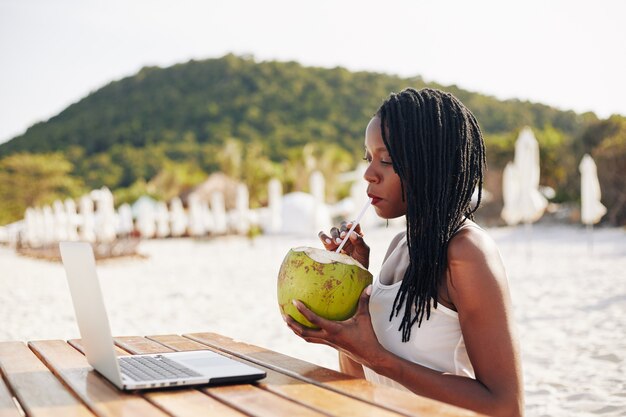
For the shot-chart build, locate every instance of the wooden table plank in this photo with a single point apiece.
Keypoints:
(37, 389)
(258, 402)
(312, 396)
(102, 397)
(7, 407)
(139, 345)
(78, 345)
(190, 403)
(393, 399)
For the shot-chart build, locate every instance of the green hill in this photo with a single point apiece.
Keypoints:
(281, 104)
(163, 129)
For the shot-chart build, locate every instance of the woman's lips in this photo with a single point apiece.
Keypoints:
(375, 199)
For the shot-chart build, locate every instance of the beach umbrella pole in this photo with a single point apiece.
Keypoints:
(590, 238)
(528, 229)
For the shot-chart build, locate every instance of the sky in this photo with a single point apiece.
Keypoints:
(570, 54)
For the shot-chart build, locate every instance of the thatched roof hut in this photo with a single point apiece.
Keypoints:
(215, 182)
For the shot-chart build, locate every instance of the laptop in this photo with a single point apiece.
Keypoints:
(137, 372)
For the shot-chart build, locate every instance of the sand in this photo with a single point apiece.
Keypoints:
(569, 301)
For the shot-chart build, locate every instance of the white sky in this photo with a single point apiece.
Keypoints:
(569, 54)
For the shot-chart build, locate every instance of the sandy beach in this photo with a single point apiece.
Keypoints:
(569, 301)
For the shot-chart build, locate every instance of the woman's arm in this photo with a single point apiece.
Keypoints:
(477, 286)
(479, 289)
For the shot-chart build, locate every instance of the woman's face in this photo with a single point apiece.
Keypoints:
(384, 184)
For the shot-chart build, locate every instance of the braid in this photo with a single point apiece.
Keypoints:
(438, 152)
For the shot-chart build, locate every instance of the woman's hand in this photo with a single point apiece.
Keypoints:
(355, 245)
(354, 337)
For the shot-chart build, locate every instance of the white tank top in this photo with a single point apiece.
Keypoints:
(437, 344)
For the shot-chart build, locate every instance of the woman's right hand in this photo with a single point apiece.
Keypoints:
(355, 245)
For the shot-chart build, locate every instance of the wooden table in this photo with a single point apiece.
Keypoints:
(53, 378)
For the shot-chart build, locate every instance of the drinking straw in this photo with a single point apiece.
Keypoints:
(354, 223)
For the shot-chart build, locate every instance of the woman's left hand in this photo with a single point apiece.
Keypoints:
(355, 336)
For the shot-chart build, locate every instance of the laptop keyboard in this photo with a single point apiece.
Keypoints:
(148, 368)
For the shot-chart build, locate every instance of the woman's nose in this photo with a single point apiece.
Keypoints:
(370, 175)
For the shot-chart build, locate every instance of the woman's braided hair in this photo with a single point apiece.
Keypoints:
(438, 152)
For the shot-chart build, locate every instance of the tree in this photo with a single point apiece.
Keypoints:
(610, 157)
(174, 179)
(256, 171)
(30, 180)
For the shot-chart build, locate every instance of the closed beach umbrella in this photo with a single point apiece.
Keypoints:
(218, 209)
(88, 221)
(73, 220)
(32, 234)
(178, 218)
(523, 201)
(510, 193)
(275, 197)
(197, 225)
(144, 210)
(531, 203)
(105, 218)
(162, 218)
(60, 221)
(125, 225)
(48, 221)
(242, 210)
(592, 209)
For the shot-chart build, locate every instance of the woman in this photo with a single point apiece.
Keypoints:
(438, 319)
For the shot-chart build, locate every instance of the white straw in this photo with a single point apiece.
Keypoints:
(354, 223)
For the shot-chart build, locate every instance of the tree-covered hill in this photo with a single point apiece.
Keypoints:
(163, 129)
(281, 104)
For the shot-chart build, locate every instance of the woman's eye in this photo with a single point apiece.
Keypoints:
(368, 159)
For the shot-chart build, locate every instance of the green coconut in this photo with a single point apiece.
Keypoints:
(328, 283)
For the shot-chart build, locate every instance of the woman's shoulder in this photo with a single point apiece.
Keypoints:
(471, 242)
(475, 269)
(473, 255)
